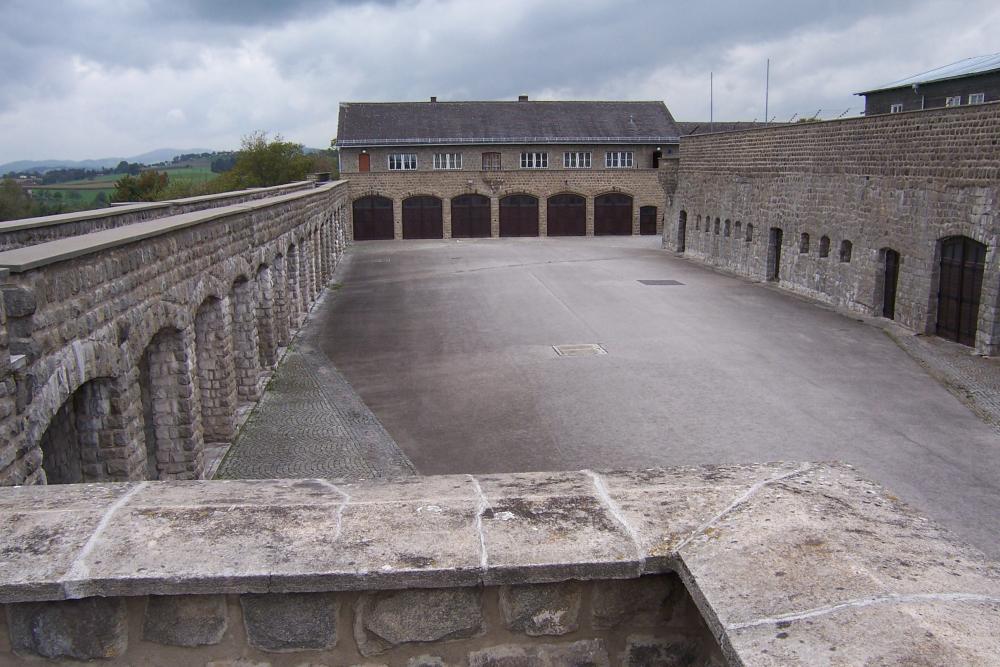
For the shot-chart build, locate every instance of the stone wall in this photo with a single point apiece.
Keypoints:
(842, 193)
(30, 231)
(139, 340)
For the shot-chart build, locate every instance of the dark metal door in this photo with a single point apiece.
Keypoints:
(422, 218)
(567, 215)
(470, 217)
(774, 253)
(963, 262)
(647, 221)
(519, 215)
(373, 219)
(613, 215)
(890, 278)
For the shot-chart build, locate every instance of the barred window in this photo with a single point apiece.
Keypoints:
(402, 161)
(895, 108)
(618, 159)
(534, 160)
(491, 161)
(576, 160)
(447, 160)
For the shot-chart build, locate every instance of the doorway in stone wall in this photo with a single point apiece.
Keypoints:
(774, 241)
(890, 277)
(963, 262)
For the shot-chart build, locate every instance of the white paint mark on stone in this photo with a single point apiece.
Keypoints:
(612, 506)
(751, 492)
(340, 508)
(504, 516)
(429, 508)
(481, 508)
(908, 598)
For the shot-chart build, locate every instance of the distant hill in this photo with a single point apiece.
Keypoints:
(152, 157)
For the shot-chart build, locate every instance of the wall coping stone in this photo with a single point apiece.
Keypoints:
(131, 207)
(27, 258)
(786, 561)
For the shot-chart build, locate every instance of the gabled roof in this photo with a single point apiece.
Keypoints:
(962, 68)
(441, 123)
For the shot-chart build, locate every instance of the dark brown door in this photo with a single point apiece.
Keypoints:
(773, 252)
(566, 215)
(373, 219)
(422, 218)
(963, 261)
(647, 221)
(470, 217)
(364, 162)
(613, 215)
(519, 215)
(891, 277)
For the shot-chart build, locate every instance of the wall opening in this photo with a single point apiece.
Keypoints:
(960, 283)
(82, 427)
(216, 381)
(682, 232)
(890, 278)
(774, 242)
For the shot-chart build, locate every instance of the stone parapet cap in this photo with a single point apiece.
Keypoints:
(32, 257)
(788, 562)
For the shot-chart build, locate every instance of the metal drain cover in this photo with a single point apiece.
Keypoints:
(579, 350)
(661, 282)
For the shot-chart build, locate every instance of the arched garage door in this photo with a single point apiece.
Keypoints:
(613, 214)
(519, 215)
(567, 215)
(470, 217)
(422, 218)
(373, 218)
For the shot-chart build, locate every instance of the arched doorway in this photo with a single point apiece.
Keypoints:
(963, 262)
(519, 215)
(470, 217)
(373, 219)
(422, 218)
(647, 220)
(566, 215)
(613, 214)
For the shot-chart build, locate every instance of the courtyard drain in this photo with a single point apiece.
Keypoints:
(661, 282)
(579, 350)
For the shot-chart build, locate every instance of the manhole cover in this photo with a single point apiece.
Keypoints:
(579, 350)
(661, 282)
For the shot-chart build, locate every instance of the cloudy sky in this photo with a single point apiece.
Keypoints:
(98, 78)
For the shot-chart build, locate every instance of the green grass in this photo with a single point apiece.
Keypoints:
(86, 196)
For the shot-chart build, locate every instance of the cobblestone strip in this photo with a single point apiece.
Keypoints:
(973, 379)
(311, 423)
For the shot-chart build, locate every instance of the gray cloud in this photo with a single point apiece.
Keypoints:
(87, 79)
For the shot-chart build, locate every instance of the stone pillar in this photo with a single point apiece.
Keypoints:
(291, 287)
(397, 219)
(245, 344)
(264, 300)
(543, 216)
(13, 468)
(635, 217)
(495, 217)
(215, 370)
(590, 215)
(281, 312)
(305, 274)
(446, 218)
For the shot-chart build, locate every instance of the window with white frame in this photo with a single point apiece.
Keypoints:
(534, 160)
(576, 160)
(491, 161)
(447, 160)
(977, 98)
(402, 161)
(896, 108)
(618, 159)
(953, 101)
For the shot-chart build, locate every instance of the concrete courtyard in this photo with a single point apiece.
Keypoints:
(450, 345)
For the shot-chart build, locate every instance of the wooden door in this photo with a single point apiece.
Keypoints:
(470, 217)
(963, 262)
(519, 215)
(566, 215)
(613, 215)
(422, 218)
(364, 162)
(373, 219)
(647, 222)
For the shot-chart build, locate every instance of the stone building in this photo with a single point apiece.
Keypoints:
(969, 81)
(490, 169)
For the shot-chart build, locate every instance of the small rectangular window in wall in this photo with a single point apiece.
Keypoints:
(576, 160)
(491, 161)
(447, 160)
(402, 161)
(953, 101)
(895, 108)
(618, 159)
(977, 98)
(534, 160)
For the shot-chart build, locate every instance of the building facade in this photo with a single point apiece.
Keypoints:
(491, 169)
(970, 81)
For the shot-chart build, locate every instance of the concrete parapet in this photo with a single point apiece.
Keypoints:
(757, 564)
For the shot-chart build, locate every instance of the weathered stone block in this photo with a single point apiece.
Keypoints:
(291, 621)
(19, 302)
(541, 609)
(426, 661)
(185, 620)
(79, 629)
(382, 620)
(643, 602)
(587, 653)
(643, 651)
